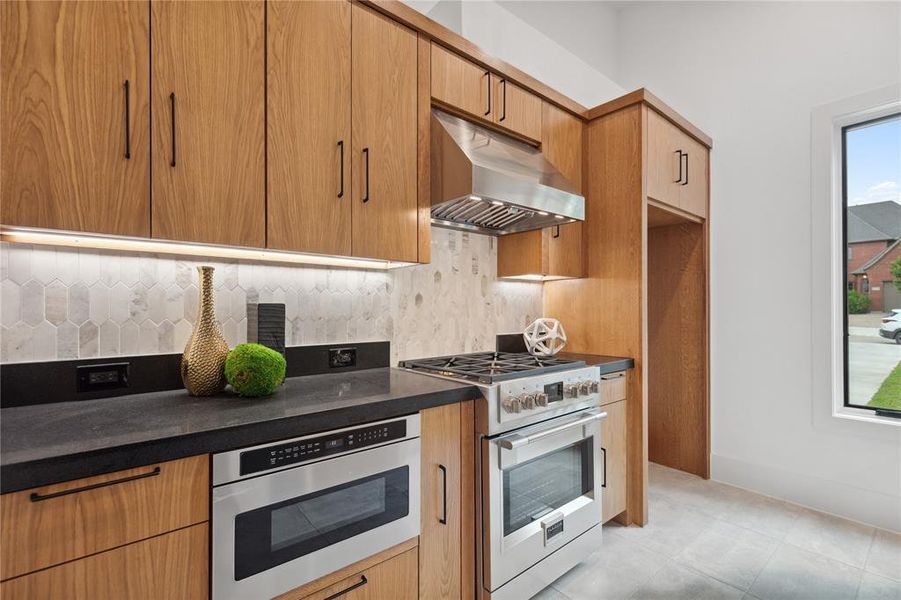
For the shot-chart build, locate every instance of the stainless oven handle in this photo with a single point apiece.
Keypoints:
(515, 441)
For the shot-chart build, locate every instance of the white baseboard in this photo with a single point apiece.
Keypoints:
(862, 505)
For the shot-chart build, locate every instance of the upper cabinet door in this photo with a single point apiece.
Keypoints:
(460, 83)
(75, 114)
(516, 109)
(208, 125)
(561, 143)
(384, 138)
(693, 196)
(665, 162)
(309, 199)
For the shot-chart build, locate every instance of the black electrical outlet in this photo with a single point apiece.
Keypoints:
(95, 378)
(339, 358)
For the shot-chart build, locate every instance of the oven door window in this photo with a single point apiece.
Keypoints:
(278, 533)
(537, 487)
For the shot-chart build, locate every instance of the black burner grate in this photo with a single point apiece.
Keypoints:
(491, 367)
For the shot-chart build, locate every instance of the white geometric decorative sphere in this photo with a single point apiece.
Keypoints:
(544, 337)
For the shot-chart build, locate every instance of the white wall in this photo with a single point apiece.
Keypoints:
(505, 35)
(750, 74)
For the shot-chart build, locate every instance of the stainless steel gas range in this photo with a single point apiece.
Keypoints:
(540, 465)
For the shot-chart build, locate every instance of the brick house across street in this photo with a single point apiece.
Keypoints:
(874, 242)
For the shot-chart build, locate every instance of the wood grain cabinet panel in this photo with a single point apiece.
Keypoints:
(48, 526)
(308, 126)
(385, 202)
(694, 194)
(515, 108)
(395, 578)
(664, 165)
(439, 540)
(208, 121)
(166, 567)
(460, 83)
(75, 152)
(613, 443)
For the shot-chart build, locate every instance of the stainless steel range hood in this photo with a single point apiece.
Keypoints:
(487, 182)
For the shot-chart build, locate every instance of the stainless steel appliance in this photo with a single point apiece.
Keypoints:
(288, 512)
(485, 181)
(538, 435)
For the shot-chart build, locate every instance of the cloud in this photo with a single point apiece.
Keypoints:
(880, 192)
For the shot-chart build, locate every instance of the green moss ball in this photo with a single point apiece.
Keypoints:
(254, 370)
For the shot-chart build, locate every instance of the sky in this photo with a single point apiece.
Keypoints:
(874, 163)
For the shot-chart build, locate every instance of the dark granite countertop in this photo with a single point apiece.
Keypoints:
(48, 443)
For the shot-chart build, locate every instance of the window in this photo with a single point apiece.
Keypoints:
(871, 229)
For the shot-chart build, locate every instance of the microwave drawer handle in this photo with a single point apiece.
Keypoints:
(363, 581)
(517, 440)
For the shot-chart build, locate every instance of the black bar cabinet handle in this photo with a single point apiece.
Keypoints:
(363, 581)
(172, 107)
(504, 103)
(556, 231)
(488, 80)
(341, 188)
(127, 121)
(366, 158)
(35, 497)
(685, 156)
(604, 484)
(679, 152)
(443, 519)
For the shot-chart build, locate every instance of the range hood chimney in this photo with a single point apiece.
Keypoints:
(487, 182)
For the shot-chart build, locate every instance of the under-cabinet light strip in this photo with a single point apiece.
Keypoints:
(25, 235)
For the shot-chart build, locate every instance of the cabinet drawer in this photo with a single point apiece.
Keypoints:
(161, 568)
(395, 578)
(65, 521)
(613, 387)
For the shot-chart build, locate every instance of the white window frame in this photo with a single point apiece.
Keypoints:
(827, 258)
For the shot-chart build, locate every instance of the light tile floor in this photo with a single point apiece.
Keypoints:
(706, 540)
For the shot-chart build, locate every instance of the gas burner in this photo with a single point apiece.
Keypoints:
(491, 367)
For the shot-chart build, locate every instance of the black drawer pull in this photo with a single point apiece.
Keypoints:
(443, 519)
(363, 581)
(679, 152)
(488, 80)
(341, 188)
(172, 107)
(127, 121)
(604, 450)
(504, 103)
(366, 158)
(556, 231)
(685, 155)
(35, 497)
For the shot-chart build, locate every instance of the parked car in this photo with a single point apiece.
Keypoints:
(891, 327)
(893, 315)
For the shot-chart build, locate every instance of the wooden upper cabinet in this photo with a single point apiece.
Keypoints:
(208, 125)
(439, 540)
(308, 129)
(677, 166)
(554, 251)
(76, 116)
(459, 83)
(516, 109)
(384, 147)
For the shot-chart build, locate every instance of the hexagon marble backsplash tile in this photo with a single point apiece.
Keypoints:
(61, 303)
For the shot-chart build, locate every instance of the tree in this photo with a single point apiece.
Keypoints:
(896, 272)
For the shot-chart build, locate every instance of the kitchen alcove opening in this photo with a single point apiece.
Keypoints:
(678, 400)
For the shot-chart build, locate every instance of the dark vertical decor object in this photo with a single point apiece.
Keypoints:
(266, 325)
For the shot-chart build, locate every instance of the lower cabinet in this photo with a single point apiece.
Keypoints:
(613, 453)
(174, 565)
(394, 578)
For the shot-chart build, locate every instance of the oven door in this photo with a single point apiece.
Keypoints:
(543, 485)
(276, 532)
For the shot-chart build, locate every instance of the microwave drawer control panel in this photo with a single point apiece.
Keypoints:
(314, 448)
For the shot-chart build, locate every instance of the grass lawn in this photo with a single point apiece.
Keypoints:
(889, 394)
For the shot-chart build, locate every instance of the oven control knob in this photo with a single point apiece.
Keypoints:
(571, 390)
(584, 388)
(511, 404)
(594, 387)
(540, 399)
(527, 401)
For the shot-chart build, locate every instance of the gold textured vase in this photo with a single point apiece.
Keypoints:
(203, 363)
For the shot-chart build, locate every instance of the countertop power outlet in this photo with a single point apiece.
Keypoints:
(95, 378)
(339, 358)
